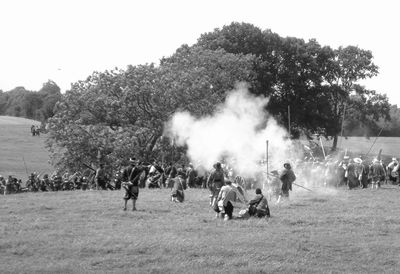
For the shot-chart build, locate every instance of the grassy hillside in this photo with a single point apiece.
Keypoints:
(334, 231)
(390, 145)
(17, 144)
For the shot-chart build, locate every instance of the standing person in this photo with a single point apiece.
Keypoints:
(353, 173)
(9, 183)
(377, 173)
(101, 178)
(274, 185)
(177, 192)
(364, 174)
(392, 170)
(3, 184)
(191, 176)
(130, 179)
(226, 197)
(215, 182)
(258, 206)
(287, 177)
(342, 171)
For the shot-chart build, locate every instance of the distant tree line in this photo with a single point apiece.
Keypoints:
(36, 105)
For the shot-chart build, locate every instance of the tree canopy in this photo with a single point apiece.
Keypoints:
(116, 114)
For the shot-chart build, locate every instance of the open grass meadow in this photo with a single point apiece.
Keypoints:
(361, 145)
(327, 231)
(330, 231)
(17, 144)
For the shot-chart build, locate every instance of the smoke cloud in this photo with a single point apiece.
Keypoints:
(236, 132)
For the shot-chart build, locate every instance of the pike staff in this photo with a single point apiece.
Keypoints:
(26, 169)
(374, 141)
(293, 183)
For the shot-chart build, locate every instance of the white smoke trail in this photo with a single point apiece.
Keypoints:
(238, 131)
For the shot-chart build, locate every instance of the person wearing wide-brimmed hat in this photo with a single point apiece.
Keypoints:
(287, 177)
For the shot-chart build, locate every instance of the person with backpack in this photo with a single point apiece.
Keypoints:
(258, 206)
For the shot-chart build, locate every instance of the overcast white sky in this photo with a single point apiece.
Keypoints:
(67, 40)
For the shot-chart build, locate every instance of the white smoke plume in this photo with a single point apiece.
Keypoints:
(237, 132)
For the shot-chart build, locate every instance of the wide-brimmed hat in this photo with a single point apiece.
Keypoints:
(357, 160)
(346, 157)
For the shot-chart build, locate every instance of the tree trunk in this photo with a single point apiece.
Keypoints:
(334, 145)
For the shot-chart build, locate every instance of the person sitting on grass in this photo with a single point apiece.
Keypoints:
(258, 206)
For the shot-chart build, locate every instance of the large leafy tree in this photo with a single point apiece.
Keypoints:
(116, 114)
(365, 111)
(350, 64)
(317, 83)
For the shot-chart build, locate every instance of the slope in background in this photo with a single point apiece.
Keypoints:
(17, 144)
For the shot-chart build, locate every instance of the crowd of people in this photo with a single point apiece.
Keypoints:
(226, 188)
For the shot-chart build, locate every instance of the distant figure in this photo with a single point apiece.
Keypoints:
(33, 131)
(287, 177)
(101, 178)
(177, 194)
(37, 131)
(376, 173)
(191, 175)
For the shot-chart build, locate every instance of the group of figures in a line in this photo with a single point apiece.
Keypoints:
(350, 172)
(35, 130)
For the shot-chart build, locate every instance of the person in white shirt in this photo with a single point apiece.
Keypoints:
(226, 198)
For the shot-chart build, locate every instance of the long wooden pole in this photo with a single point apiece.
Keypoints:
(341, 132)
(379, 134)
(289, 121)
(267, 162)
(322, 146)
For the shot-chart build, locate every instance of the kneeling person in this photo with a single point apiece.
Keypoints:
(258, 206)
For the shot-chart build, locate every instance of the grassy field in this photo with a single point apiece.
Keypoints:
(17, 144)
(328, 231)
(334, 231)
(360, 145)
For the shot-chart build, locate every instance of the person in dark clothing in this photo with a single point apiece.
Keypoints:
(259, 205)
(178, 194)
(130, 179)
(101, 178)
(287, 177)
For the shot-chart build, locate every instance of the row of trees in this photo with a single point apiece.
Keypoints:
(116, 114)
(37, 105)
